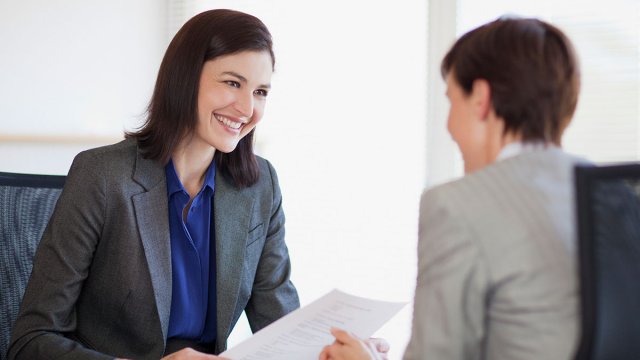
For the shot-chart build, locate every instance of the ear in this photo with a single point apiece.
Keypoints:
(481, 97)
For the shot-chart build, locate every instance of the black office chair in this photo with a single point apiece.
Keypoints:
(608, 214)
(26, 203)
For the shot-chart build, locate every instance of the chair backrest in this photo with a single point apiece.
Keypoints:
(608, 209)
(26, 203)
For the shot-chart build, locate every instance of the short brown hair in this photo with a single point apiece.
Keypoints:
(172, 111)
(532, 71)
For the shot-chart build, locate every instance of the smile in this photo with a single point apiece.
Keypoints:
(228, 122)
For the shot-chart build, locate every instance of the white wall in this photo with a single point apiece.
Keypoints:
(75, 74)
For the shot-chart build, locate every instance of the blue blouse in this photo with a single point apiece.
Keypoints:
(193, 260)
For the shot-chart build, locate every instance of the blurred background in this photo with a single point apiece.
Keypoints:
(355, 123)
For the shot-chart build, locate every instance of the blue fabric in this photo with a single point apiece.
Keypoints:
(193, 261)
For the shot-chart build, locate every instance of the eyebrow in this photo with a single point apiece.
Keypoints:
(244, 79)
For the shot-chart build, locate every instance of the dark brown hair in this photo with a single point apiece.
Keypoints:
(532, 71)
(172, 111)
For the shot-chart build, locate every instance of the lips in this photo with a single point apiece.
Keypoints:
(229, 122)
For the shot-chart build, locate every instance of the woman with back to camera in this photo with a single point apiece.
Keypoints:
(496, 260)
(158, 243)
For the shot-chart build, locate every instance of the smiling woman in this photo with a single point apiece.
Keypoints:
(140, 259)
(237, 54)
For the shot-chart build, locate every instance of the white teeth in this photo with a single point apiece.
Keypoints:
(229, 123)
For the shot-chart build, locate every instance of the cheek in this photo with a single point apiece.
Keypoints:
(203, 120)
(214, 99)
(452, 124)
(255, 119)
(258, 111)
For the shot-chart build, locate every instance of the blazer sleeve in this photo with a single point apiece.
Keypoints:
(273, 294)
(449, 307)
(61, 265)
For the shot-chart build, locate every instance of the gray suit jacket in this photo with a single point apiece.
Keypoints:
(101, 280)
(496, 270)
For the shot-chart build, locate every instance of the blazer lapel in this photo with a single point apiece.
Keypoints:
(151, 209)
(232, 215)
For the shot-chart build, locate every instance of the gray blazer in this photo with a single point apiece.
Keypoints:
(101, 280)
(496, 270)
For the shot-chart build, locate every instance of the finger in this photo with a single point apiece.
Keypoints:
(374, 353)
(330, 351)
(371, 347)
(324, 355)
(381, 344)
(343, 336)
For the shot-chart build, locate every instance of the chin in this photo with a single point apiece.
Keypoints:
(227, 148)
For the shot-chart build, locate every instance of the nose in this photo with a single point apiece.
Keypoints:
(244, 104)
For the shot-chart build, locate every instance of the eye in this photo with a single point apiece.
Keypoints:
(235, 84)
(261, 92)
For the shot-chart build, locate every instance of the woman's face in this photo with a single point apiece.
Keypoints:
(231, 98)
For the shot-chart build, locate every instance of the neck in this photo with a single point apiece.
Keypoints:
(493, 141)
(510, 138)
(191, 164)
(497, 139)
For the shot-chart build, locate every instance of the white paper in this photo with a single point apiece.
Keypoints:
(303, 333)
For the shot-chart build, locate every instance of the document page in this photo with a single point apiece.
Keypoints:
(303, 333)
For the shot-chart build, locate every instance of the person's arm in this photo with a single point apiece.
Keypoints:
(449, 307)
(272, 295)
(61, 265)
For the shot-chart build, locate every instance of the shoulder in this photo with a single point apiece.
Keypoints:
(550, 162)
(505, 192)
(268, 177)
(104, 167)
(108, 157)
(265, 166)
(265, 188)
(524, 170)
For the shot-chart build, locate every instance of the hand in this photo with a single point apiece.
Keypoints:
(190, 354)
(381, 346)
(348, 347)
